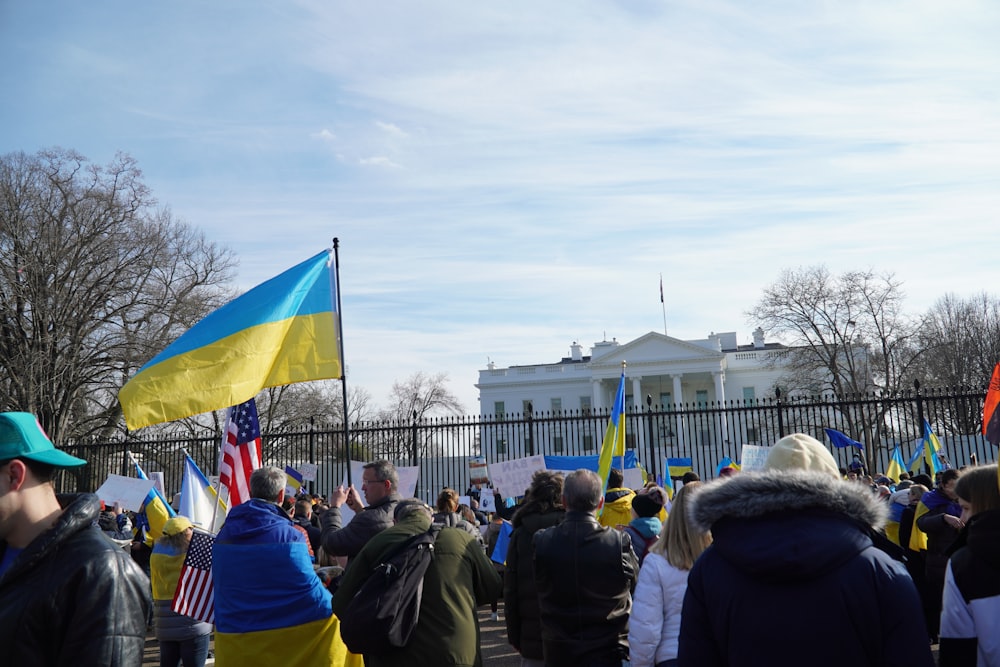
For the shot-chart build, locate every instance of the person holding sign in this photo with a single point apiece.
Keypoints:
(68, 595)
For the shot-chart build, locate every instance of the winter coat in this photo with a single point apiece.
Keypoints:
(585, 573)
(459, 579)
(970, 616)
(520, 595)
(644, 531)
(340, 540)
(165, 565)
(73, 597)
(792, 578)
(617, 509)
(940, 535)
(655, 622)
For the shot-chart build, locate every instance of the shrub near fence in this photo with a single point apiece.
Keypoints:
(441, 447)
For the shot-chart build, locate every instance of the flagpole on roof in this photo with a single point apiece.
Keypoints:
(343, 360)
(663, 305)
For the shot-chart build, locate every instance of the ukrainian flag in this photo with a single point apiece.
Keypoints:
(155, 510)
(614, 437)
(270, 607)
(677, 467)
(280, 332)
(896, 465)
(931, 447)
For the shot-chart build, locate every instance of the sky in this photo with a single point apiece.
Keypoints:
(507, 178)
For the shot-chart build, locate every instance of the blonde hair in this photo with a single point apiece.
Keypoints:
(679, 542)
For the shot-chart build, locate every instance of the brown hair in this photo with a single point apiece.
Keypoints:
(680, 542)
(447, 500)
(978, 487)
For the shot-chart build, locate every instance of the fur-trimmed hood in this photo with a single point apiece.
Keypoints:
(787, 525)
(758, 493)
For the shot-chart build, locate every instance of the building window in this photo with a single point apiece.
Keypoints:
(526, 407)
(749, 394)
(701, 398)
(585, 405)
(556, 406)
(557, 444)
(704, 437)
(588, 443)
(752, 435)
(501, 446)
(498, 408)
(666, 400)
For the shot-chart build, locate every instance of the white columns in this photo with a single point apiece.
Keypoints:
(677, 404)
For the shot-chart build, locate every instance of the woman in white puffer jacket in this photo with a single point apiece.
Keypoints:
(655, 622)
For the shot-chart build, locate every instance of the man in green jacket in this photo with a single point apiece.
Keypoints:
(459, 579)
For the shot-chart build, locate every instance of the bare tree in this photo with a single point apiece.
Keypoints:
(94, 280)
(961, 339)
(419, 397)
(848, 336)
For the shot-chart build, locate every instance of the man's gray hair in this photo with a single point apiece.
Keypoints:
(267, 483)
(582, 490)
(384, 470)
(411, 507)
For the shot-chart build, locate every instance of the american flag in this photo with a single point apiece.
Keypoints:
(241, 451)
(195, 594)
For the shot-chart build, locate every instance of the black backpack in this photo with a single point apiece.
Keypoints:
(385, 610)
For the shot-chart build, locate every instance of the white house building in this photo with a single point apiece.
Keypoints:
(661, 372)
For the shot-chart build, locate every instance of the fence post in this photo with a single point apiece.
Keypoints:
(529, 415)
(414, 451)
(312, 449)
(652, 447)
(920, 424)
(781, 417)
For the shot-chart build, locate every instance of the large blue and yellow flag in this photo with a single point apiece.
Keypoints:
(270, 607)
(614, 437)
(198, 498)
(676, 467)
(280, 332)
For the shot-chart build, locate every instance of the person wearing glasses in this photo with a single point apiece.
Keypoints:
(379, 484)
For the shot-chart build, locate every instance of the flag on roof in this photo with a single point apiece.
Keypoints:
(241, 452)
(280, 332)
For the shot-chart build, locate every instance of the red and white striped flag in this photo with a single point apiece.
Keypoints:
(241, 451)
(195, 594)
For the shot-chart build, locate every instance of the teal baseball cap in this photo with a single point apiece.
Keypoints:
(22, 437)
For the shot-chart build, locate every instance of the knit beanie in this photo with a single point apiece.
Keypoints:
(649, 502)
(799, 451)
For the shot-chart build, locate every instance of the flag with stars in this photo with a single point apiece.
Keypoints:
(240, 451)
(195, 595)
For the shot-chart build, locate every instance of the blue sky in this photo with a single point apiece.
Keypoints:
(506, 178)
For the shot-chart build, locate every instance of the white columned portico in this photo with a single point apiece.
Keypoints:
(597, 395)
(640, 441)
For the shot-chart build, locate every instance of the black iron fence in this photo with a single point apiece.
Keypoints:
(442, 447)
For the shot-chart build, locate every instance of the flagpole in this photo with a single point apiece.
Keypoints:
(218, 489)
(624, 419)
(663, 305)
(343, 362)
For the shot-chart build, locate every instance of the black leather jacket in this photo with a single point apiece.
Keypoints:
(585, 574)
(73, 597)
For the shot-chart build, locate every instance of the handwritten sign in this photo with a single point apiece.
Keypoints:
(752, 457)
(511, 478)
(308, 471)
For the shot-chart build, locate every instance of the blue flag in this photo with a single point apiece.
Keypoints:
(838, 439)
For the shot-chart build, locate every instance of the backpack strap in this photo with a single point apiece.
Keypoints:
(433, 532)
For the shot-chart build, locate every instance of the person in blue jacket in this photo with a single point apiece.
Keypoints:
(793, 576)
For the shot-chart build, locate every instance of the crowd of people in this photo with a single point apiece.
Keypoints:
(799, 563)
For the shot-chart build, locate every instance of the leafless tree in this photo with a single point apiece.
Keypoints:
(95, 279)
(416, 399)
(848, 336)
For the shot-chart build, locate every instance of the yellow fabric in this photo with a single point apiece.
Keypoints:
(164, 571)
(157, 514)
(892, 532)
(316, 644)
(618, 512)
(918, 538)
